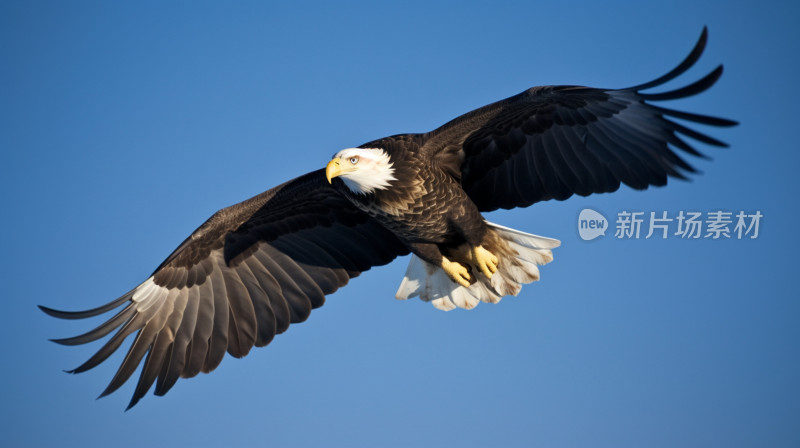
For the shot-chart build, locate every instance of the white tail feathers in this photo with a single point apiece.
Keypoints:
(433, 285)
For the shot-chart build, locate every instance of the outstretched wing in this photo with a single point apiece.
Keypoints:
(552, 142)
(237, 281)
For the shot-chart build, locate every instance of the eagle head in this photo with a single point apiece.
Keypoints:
(363, 170)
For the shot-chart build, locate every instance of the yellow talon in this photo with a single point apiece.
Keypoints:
(486, 261)
(457, 272)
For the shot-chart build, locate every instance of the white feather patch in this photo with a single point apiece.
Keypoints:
(415, 277)
(372, 171)
(433, 285)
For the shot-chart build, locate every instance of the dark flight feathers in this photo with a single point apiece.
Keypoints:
(551, 142)
(240, 279)
(256, 267)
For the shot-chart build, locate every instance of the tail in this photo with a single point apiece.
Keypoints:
(519, 254)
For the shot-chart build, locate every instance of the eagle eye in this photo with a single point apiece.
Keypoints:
(354, 160)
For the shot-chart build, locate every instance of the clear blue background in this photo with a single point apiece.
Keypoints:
(124, 125)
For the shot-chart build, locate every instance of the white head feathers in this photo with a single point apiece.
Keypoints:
(365, 169)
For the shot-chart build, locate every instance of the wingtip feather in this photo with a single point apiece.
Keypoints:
(72, 315)
(687, 63)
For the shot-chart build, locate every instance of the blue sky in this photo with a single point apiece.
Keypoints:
(124, 126)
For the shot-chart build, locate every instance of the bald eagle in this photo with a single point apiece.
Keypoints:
(255, 267)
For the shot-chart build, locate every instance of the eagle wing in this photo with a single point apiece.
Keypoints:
(552, 142)
(237, 281)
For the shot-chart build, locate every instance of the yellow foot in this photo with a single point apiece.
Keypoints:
(456, 271)
(486, 261)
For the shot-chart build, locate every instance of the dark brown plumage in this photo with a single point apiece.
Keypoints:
(256, 267)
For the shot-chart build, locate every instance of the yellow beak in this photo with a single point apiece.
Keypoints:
(333, 169)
